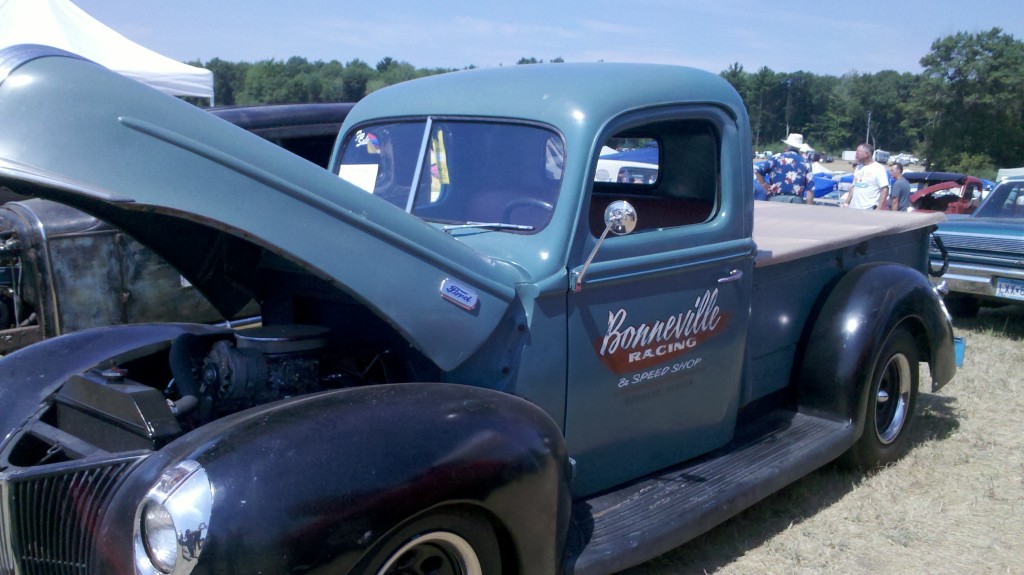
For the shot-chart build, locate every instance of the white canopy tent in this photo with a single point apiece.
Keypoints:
(1008, 172)
(61, 24)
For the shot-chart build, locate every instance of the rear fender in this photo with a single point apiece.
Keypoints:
(851, 327)
(318, 481)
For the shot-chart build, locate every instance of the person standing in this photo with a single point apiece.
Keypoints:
(817, 167)
(900, 196)
(870, 188)
(789, 172)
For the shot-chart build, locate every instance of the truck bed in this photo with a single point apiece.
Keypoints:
(786, 232)
(803, 249)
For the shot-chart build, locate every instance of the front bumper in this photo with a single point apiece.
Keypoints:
(979, 280)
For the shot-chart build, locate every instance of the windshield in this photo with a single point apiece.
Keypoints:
(456, 172)
(1006, 201)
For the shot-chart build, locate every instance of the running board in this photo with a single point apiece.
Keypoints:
(617, 530)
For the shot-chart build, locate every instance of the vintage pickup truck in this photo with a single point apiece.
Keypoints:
(473, 359)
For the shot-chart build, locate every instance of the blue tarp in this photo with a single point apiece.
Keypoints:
(647, 155)
(825, 184)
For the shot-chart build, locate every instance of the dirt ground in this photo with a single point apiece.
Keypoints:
(954, 505)
(841, 166)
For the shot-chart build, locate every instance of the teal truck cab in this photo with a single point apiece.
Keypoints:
(473, 355)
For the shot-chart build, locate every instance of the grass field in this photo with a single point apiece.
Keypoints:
(954, 505)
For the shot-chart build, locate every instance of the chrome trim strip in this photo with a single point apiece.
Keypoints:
(418, 172)
(7, 562)
(37, 223)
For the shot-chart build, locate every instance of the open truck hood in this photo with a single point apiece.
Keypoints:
(191, 185)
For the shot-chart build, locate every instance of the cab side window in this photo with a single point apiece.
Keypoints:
(669, 171)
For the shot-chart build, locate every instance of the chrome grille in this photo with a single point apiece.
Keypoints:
(1008, 245)
(6, 557)
(50, 520)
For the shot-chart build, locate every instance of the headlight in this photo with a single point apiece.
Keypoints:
(173, 520)
(159, 537)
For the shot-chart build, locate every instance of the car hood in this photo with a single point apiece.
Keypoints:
(984, 226)
(189, 185)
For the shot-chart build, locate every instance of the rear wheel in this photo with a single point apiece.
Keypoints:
(449, 543)
(891, 404)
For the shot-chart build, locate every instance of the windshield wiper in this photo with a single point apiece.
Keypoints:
(487, 226)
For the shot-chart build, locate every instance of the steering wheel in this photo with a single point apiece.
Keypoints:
(522, 203)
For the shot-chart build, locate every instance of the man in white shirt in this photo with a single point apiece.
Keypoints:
(870, 188)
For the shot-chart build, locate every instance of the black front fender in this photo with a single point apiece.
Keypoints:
(315, 482)
(848, 332)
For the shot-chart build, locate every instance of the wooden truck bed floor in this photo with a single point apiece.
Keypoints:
(785, 232)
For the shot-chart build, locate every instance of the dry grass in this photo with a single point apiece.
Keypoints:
(955, 504)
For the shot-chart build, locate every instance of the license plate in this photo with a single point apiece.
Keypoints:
(1010, 289)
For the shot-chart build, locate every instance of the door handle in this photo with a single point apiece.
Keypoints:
(733, 276)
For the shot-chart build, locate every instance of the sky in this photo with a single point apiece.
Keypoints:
(825, 38)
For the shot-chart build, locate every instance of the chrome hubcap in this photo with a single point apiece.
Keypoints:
(439, 552)
(892, 402)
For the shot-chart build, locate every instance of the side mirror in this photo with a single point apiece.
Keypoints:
(619, 219)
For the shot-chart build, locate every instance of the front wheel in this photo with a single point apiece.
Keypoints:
(891, 404)
(440, 544)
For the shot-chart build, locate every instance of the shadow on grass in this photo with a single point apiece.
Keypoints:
(937, 419)
(1004, 321)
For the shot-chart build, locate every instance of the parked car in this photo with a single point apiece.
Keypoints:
(636, 166)
(62, 270)
(905, 159)
(307, 130)
(947, 192)
(985, 251)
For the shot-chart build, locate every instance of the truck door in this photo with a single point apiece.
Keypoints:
(658, 322)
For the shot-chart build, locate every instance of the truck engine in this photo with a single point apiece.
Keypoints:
(215, 376)
(149, 398)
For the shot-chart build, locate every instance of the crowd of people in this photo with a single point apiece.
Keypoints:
(789, 177)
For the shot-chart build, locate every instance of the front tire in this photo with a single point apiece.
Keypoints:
(447, 543)
(891, 404)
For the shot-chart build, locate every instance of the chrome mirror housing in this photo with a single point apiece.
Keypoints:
(619, 219)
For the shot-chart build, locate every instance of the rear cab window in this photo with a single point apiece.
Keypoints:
(668, 170)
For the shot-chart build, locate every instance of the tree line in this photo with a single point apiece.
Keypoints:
(963, 113)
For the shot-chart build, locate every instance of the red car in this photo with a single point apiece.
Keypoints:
(944, 192)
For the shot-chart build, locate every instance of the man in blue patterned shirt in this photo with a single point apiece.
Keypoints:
(789, 173)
